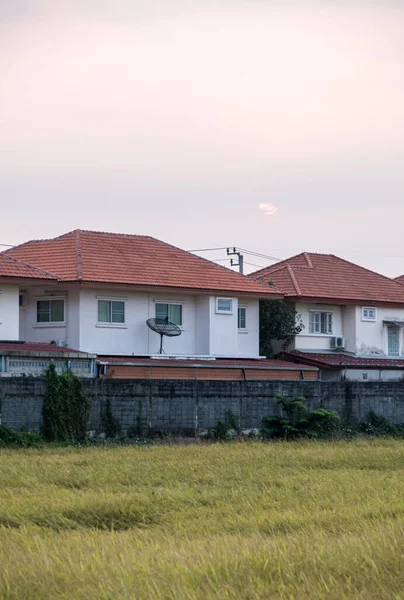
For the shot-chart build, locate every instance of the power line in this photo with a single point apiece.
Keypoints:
(253, 264)
(207, 249)
(257, 254)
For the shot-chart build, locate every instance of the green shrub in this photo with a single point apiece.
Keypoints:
(376, 425)
(10, 438)
(65, 409)
(222, 429)
(295, 420)
(110, 424)
(323, 423)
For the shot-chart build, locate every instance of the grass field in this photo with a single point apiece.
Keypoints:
(302, 520)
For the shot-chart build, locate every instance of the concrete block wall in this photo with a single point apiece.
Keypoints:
(191, 406)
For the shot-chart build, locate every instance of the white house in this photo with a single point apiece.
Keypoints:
(96, 291)
(353, 318)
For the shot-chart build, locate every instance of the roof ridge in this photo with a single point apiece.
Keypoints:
(294, 280)
(206, 260)
(308, 259)
(117, 234)
(24, 264)
(72, 233)
(79, 256)
(364, 268)
(282, 263)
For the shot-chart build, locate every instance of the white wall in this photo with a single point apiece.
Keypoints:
(202, 325)
(349, 327)
(371, 336)
(223, 330)
(362, 337)
(204, 331)
(31, 331)
(248, 340)
(307, 341)
(9, 312)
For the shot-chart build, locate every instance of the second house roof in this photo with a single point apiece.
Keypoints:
(328, 277)
(113, 258)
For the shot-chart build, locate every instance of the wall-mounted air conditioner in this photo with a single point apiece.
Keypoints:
(338, 343)
(60, 343)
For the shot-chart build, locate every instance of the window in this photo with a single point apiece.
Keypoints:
(393, 340)
(241, 320)
(171, 312)
(50, 311)
(111, 311)
(368, 314)
(224, 305)
(320, 322)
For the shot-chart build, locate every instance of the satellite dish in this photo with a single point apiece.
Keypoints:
(163, 327)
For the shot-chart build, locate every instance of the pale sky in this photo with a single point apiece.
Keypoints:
(178, 119)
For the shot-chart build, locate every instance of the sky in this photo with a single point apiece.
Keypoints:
(272, 125)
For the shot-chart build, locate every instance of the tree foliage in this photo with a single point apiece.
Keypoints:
(65, 409)
(277, 322)
(296, 421)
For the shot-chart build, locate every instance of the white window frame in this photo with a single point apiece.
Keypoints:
(366, 318)
(224, 312)
(111, 324)
(242, 329)
(329, 318)
(398, 331)
(39, 324)
(172, 303)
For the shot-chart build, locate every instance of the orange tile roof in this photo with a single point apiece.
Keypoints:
(400, 279)
(13, 268)
(94, 256)
(328, 277)
(339, 360)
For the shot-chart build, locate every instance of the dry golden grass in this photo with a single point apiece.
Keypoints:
(304, 520)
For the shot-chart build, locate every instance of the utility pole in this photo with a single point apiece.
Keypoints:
(233, 263)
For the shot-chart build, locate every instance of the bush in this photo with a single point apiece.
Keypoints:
(295, 420)
(10, 438)
(65, 409)
(222, 430)
(110, 424)
(376, 425)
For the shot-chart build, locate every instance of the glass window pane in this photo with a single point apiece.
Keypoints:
(104, 311)
(175, 313)
(393, 340)
(57, 311)
(118, 311)
(42, 311)
(161, 311)
(242, 318)
(225, 305)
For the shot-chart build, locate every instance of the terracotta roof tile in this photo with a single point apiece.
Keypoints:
(325, 276)
(132, 259)
(340, 360)
(400, 279)
(14, 268)
(12, 346)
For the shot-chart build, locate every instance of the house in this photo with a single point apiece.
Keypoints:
(15, 275)
(94, 291)
(353, 318)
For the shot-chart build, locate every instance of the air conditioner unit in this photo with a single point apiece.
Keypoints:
(338, 343)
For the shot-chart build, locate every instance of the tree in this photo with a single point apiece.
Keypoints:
(277, 322)
(65, 409)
